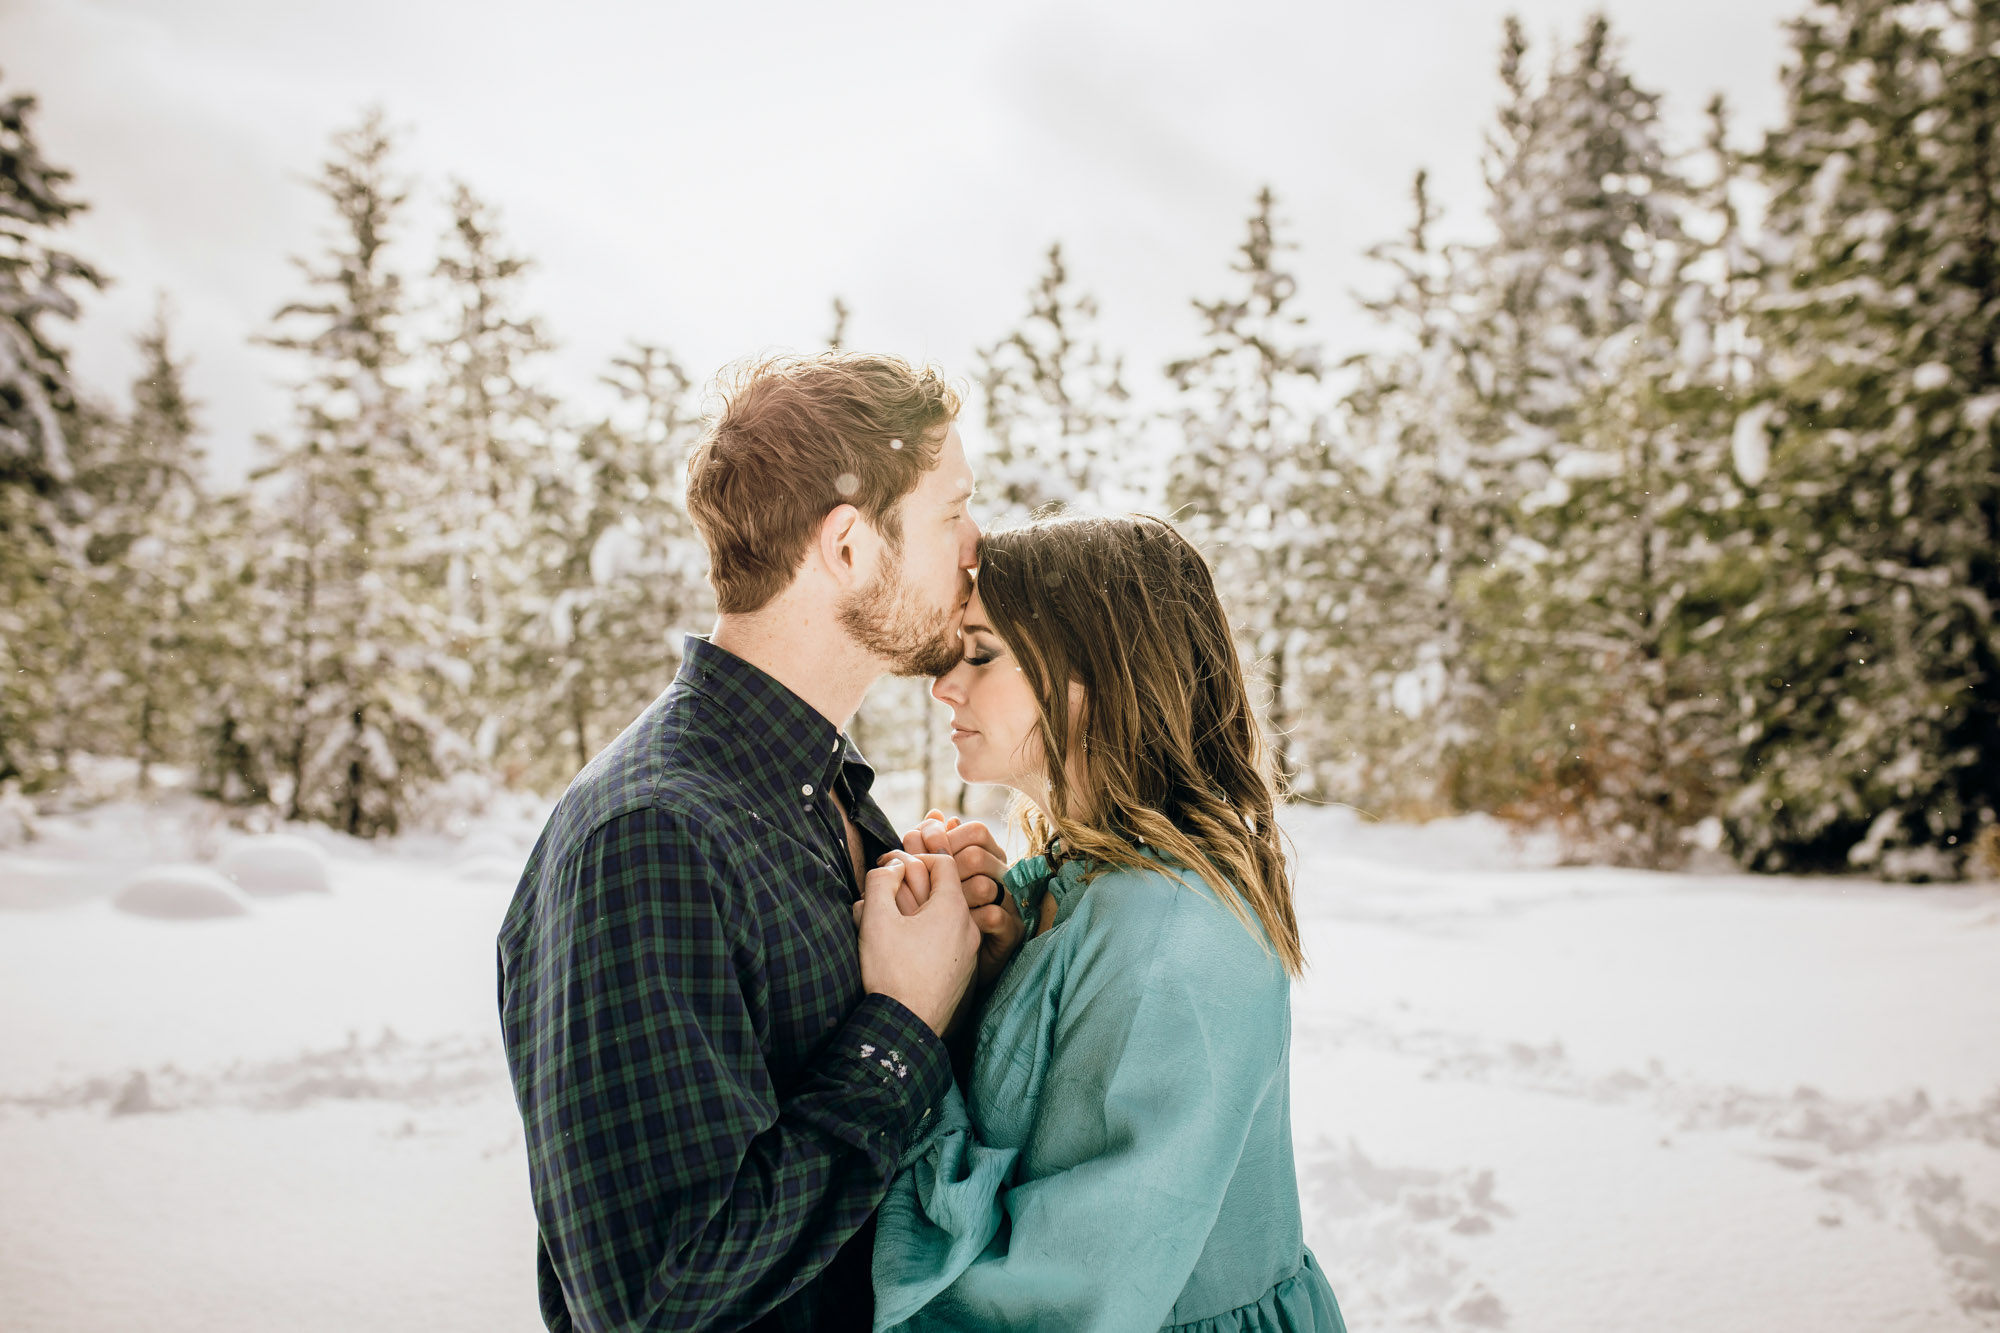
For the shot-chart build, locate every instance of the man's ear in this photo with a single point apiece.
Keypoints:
(842, 535)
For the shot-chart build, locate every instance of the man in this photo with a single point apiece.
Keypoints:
(714, 1081)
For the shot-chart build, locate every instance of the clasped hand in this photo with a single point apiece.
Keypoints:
(945, 853)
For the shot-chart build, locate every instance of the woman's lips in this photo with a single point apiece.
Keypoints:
(959, 733)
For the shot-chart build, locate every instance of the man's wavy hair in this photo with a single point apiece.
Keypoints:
(1170, 750)
(797, 437)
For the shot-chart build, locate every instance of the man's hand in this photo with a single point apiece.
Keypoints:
(976, 854)
(923, 960)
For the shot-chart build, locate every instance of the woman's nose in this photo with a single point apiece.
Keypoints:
(945, 689)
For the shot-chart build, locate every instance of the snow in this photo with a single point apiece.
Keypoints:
(1750, 445)
(1524, 1096)
(619, 551)
(17, 815)
(276, 864)
(1930, 376)
(179, 893)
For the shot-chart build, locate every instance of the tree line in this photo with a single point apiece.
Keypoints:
(1665, 510)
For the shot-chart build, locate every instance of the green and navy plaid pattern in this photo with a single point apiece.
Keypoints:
(713, 1107)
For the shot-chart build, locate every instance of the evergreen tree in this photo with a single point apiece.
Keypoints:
(37, 283)
(144, 620)
(241, 653)
(1403, 682)
(40, 559)
(1605, 337)
(1569, 270)
(1869, 686)
(361, 650)
(490, 432)
(620, 567)
(69, 659)
(551, 694)
(1250, 462)
(1055, 409)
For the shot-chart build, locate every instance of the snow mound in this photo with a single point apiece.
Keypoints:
(275, 865)
(179, 893)
(32, 884)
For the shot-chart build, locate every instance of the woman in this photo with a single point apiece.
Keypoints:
(1122, 1158)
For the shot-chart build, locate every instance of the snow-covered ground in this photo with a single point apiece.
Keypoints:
(1525, 1097)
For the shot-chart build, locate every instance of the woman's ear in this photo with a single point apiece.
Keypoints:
(1079, 716)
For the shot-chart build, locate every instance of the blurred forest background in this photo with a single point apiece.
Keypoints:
(1667, 516)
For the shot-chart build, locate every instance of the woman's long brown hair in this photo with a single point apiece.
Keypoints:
(1173, 758)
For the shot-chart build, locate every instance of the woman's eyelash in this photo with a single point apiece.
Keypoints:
(979, 659)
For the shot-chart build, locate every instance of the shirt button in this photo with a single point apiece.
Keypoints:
(806, 790)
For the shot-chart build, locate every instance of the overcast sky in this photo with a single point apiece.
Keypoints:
(710, 175)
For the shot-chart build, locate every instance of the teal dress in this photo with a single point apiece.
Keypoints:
(1122, 1157)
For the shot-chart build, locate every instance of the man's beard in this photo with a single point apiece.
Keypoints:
(887, 620)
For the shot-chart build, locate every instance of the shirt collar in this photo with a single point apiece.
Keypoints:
(803, 745)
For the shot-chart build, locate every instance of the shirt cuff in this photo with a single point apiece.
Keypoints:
(901, 1051)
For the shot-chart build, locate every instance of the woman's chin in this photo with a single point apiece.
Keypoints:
(974, 775)
(969, 769)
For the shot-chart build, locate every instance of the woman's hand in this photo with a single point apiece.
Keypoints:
(981, 864)
(971, 845)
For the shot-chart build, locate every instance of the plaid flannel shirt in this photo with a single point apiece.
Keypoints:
(713, 1107)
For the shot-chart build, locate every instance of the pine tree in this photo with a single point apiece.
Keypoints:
(1403, 682)
(1250, 461)
(242, 720)
(143, 563)
(37, 283)
(40, 559)
(1869, 686)
(361, 650)
(551, 692)
(1056, 410)
(491, 430)
(1605, 336)
(621, 571)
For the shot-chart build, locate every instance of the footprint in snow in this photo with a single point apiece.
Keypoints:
(1395, 1238)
